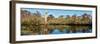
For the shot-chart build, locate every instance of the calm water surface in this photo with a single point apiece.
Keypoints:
(56, 29)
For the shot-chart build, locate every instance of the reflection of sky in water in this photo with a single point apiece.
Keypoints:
(58, 12)
(59, 29)
(56, 31)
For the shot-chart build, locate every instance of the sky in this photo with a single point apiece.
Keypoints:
(58, 12)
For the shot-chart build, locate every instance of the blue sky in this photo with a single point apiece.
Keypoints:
(58, 12)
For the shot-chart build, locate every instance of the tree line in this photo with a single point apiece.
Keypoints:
(36, 18)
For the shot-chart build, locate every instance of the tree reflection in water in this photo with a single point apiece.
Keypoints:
(56, 29)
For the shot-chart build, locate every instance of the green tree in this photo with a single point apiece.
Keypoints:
(37, 13)
(85, 18)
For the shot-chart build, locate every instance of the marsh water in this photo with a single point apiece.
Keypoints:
(56, 29)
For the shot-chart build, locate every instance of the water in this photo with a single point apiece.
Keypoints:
(56, 29)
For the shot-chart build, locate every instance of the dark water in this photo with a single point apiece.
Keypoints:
(56, 29)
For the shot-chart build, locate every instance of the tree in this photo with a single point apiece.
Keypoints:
(37, 13)
(51, 16)
(61, 16)
(73, 19)
(85, 18)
